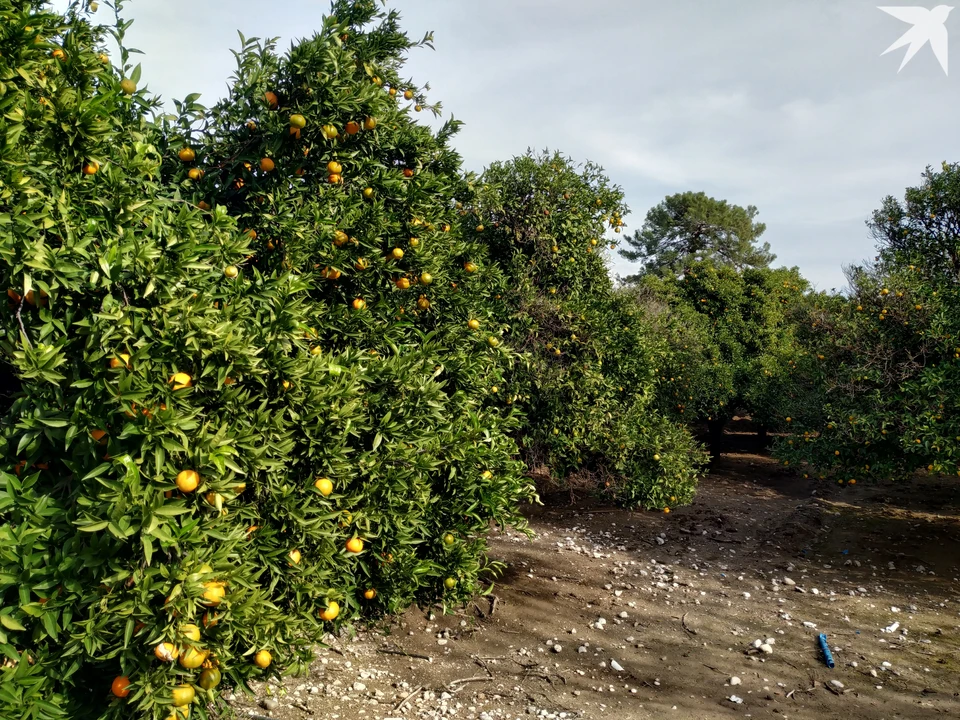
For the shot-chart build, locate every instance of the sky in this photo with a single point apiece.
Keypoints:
(788, 105)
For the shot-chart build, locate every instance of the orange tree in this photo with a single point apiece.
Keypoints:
(733, 341)
(234, 425)
(882, 371)
(590, 359)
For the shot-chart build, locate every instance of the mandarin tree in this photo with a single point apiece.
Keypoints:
(742, 321)
(591, 361)
(233, 428)
(880, 394)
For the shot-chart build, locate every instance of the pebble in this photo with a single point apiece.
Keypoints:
(837, 684)
(766, 648)
(616, 666)
(808, 624)
(736, 699)
(788, 581)
(269, 704)
(735, 680)
(557, 648)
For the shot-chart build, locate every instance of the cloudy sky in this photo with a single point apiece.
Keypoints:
(783, 104)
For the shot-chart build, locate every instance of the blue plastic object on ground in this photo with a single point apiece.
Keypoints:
(827, 657)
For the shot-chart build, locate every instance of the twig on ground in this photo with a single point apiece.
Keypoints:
(387, 651)
(407, 698)
(683, 622)
(455, 685)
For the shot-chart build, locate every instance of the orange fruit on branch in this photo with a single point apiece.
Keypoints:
(262, 659)
(183, 695)
(166, 652)
(330, 612)
(267, 165)
(188, 480)
(354, 545)
(120, 686)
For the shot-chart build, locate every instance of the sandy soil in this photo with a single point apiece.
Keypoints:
(684, 597)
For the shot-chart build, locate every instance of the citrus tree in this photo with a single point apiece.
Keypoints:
(881, 379)
(250, 354)
(733, 341)
(588, 382)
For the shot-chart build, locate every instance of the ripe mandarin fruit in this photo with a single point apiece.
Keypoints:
(271, 99)
(368, 192)
(324, 485)
(333, 167)
(407, 173)
(396, 254)
(473, 324)
(91, 167)
(334, 179)
(120, 686)
(353, 128)
(192, 658)
(122, 360)
(359, 304)
(354, 545)
(492, 341)
(190, 631)
(59, 54)
(181, 380)
(267, 165)
(298, 121)
(370, 123)
(408, 94)
(166, 652)
(295, 556)
(262, 659)
(403, 283)
(331, 611)
(213, 593)
(183, 695)
(188, 480)
(369, 594)
(426, 278)
(195, 173)
(187, 154)
(231, 271)
(128, 86)
(470, 267)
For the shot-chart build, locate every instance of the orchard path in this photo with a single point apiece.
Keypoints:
(684, 597)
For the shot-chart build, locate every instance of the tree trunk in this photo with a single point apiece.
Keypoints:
(715, 437)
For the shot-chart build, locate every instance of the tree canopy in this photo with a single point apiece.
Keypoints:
(692, 226)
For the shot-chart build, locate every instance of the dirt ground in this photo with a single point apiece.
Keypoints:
(761, 554)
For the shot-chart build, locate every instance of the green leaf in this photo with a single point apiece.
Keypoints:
(10, 623)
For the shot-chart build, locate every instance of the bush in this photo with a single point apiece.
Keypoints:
(194, 367)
